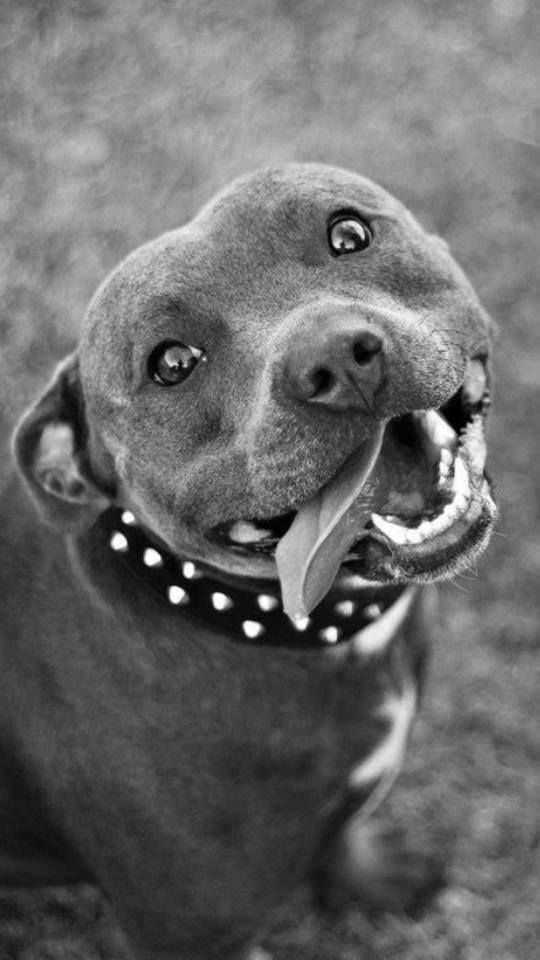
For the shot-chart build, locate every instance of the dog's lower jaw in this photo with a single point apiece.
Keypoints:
(456, 556)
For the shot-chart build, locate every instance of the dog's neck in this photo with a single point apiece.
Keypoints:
(243, 609)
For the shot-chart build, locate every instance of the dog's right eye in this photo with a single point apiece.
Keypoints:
(172, 361)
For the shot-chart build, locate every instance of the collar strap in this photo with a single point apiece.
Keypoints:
(248, 615)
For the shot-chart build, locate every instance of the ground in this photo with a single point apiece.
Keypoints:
(119, 119)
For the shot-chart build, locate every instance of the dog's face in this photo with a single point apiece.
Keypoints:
(231, 370)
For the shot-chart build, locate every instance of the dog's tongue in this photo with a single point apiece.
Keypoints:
(310, 554)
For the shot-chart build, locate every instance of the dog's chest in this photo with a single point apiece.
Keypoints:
(293, 739)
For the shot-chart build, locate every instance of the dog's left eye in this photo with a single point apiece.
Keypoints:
(172, 361)
(348, 234)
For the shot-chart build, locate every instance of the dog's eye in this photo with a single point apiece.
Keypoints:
(172, 361)
(348, 234)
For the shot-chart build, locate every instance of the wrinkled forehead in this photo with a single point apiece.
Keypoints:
(259, 220)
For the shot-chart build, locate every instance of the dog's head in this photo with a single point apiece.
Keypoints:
(301, 355)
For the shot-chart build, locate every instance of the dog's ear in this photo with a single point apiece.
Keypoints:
(50, 450)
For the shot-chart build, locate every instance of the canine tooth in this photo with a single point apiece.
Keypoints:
(461, 503)
(447, 458)
(438, 429)
(394, 531)
(474, 384)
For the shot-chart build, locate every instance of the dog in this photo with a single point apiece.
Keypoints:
(270, 436)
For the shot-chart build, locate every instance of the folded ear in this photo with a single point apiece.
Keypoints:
(50, 450)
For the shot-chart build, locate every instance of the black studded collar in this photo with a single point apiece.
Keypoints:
(253, 615)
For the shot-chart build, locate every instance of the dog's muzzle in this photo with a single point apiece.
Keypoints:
(422, 509)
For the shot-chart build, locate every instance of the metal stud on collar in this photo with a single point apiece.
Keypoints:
(177, 595)
(330, 634)
(220, 601)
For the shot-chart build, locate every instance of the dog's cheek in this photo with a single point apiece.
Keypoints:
(180, 502)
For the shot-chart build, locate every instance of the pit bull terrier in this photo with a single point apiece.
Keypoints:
(270, 433)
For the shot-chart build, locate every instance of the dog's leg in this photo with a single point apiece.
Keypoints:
(362, 857)
(376, 867)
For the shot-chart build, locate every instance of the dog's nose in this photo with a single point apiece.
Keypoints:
(337, 366)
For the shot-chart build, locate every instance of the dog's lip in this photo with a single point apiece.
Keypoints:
(420, 538)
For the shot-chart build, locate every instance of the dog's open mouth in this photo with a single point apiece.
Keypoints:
(414, 505)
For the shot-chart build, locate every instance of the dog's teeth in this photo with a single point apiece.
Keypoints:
(440, 524)
(394, 531)
(476, 445)
(414, 535)
(461, 486)
(428, 529)
(245, 532)
(474, 384)
(444, 472)
(437, 429)
(446, 459)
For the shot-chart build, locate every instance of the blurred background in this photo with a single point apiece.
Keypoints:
(118, 120)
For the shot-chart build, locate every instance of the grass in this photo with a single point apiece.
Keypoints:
(119, 120)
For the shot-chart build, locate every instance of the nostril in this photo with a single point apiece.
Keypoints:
(365, 347)
(322, 380)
